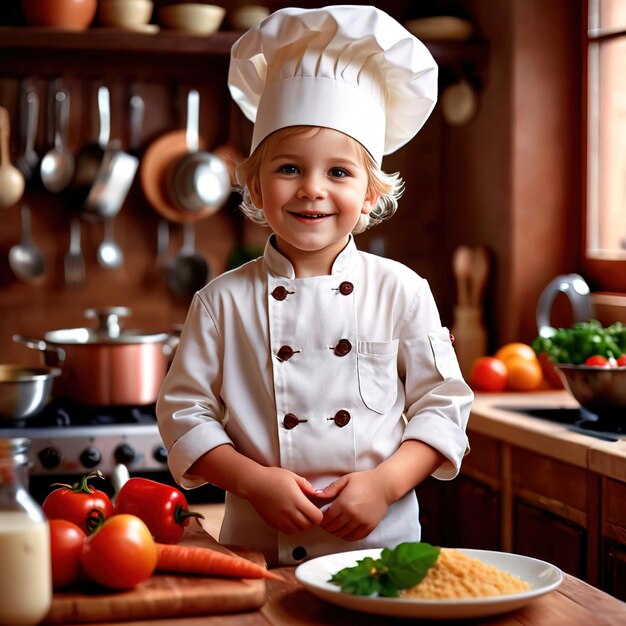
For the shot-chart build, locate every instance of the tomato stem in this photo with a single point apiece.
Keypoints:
(82, 486)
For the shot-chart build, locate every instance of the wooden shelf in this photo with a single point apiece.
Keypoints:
(101, 53)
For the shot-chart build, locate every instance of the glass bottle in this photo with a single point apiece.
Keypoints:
(25, 570)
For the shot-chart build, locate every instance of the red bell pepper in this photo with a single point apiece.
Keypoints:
(162, 508)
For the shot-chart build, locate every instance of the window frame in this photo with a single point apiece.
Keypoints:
(604, 274)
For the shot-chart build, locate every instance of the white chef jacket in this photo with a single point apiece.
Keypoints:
(323, 376)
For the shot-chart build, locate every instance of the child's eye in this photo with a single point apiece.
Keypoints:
(288, 169)
(338, 172)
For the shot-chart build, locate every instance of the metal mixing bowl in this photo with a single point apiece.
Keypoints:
(24, 391)
(601, 390)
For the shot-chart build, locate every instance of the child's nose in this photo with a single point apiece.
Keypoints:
(312, 187)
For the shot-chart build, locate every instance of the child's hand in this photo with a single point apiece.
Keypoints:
(360, 503)
(281, 498)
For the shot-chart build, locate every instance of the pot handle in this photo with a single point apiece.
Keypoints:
(109, 319)
(171, 343)
(57, 352)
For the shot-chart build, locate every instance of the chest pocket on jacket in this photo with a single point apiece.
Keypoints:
(378, 374)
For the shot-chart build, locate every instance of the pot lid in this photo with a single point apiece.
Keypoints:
(108, 331)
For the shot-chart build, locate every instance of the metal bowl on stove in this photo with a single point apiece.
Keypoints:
(600, 390)
(24, 391)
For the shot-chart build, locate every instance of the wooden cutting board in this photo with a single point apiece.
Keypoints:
(164, 595)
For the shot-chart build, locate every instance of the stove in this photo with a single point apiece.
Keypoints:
(76, 439)
(610, 426)
(70, 440)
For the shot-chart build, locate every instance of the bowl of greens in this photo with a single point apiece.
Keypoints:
(591, 362)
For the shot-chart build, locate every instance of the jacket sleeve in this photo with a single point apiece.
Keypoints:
(189, 411)
(438, 400)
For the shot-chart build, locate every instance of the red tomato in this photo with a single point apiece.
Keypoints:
(621, 361)
(598, 360)
(550, 372)
(120, 554)
(66, 546)
(81, 504)
(488, 374)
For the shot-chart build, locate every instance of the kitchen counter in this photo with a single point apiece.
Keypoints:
(552, 439)
(574, 603)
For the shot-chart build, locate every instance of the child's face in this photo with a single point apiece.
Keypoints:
(313, 189)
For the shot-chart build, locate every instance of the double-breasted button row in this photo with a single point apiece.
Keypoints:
(341, 419)
(280, 293)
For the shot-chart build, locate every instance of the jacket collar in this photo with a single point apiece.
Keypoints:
(281, 265)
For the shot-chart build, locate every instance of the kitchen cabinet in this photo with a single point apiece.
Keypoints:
(613, 529)
(550, 514)
(515, 499)
(466, 511)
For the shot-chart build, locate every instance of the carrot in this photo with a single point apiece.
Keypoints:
(184, 559)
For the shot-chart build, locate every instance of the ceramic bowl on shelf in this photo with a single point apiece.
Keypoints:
(192, 18)
(126, 14)
(246, 16)
(62, 14)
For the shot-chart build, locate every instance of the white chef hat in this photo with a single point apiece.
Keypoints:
(351, 68)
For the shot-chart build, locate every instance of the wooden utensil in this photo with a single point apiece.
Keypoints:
(11, 179)
(471, 267)
(462, 267)
(478, 275)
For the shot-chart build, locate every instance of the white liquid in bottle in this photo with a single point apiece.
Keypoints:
(25, 572)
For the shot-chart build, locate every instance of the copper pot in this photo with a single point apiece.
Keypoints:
(106, 365)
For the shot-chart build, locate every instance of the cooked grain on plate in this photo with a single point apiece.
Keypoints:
(456, 575)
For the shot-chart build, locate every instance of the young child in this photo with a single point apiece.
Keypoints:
(316, 384)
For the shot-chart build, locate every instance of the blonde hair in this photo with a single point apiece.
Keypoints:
(388, 187)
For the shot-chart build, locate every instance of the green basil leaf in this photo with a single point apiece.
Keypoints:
(403, 567)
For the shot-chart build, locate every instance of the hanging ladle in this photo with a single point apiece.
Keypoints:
(25, 258)
(110, 255)
(57, 165)
(188, 271)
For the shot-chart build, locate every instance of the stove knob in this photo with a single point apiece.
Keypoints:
(160, 454)
(125, 454)
(90, 457)
(50, 458)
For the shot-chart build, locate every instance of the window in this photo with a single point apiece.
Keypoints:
(605, 223)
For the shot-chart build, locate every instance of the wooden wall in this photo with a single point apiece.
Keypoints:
(506, 180)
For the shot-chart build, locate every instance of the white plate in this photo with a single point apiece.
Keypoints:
(541, 576)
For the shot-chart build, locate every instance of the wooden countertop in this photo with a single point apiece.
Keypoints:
(288, 604)
(574, 603)
(490, 417)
